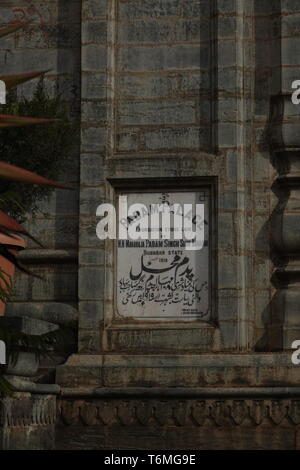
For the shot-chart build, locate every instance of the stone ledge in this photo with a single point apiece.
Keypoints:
(48, 256)
(177, 360)
(25, 384)
(186, 371)
(181, 392)
(27, 325)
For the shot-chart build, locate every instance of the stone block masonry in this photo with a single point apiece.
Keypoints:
(176, 89)
(158, 51)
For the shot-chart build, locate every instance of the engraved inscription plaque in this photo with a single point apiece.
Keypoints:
(165, 279)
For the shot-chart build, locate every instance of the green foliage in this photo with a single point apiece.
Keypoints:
(5, 387)
(41, 149)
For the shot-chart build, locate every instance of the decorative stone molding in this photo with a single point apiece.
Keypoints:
(203, 424)
(209, 412)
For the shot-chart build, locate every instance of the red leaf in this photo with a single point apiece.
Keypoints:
(17, 79)
(12, 28)
(15, 173)
(18, 121)
(10, 224)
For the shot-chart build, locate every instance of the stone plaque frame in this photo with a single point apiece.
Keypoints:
(121, 334)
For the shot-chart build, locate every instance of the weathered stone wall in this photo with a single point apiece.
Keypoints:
(161, 83)
(175, 89)
(176, 104)
(179, 89)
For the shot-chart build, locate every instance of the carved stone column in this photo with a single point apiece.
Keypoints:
(285, 222)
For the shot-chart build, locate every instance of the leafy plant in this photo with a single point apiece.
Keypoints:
(15, 198)
(5, 387)
(19, 147)
(5, 286)
(41, 149)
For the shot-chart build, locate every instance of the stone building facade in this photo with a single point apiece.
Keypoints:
(173, 94)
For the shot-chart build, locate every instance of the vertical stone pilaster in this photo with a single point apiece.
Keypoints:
(94, 117)
(233, 131)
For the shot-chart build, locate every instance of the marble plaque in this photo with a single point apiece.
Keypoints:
(161, 279)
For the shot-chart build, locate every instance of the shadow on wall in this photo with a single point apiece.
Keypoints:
(267, 85)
